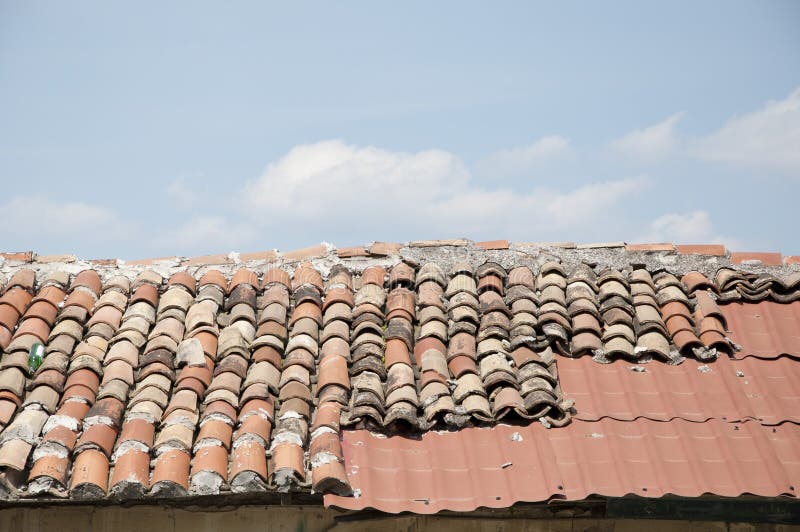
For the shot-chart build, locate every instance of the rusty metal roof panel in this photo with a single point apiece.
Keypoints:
(499, 466)
(728, 390)
(767, 329)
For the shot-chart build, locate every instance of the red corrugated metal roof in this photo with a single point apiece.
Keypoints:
(497, 467)
(728, 390)
(766, 329)
(726, 427)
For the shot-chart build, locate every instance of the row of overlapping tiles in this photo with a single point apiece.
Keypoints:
(134, 372)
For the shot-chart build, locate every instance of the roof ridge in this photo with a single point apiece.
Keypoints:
(676, 258)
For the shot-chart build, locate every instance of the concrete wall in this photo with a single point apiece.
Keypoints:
(316, 518)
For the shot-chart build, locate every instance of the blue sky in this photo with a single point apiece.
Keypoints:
(150, 130)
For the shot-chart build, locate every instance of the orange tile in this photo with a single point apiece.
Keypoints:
(311, 252)
(20, 256)
(214, 277)
(104, 262)
(172, 466)
(208, 260)
(89, 279)
(249, 456)
(355, 251)
(268, 256)
(46, 259)
(211, 458)
(148, 262)
(767, 259)
(565, 245)
(650, 247)
(493, 244)
(385, 248)
(132, 466)
(438, 243)
(91, 467)
(702, 249)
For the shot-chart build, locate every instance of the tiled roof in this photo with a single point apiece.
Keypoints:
(268, 372)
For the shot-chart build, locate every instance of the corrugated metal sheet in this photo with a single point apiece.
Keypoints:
(727, 428)
(766, 329)
(497, 467)
(728, 390)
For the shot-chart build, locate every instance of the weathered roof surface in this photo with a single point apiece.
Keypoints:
(728, 390)
(765, 329)
(499, 466)
(252, 373)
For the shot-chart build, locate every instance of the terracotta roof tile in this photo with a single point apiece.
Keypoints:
(19, 256)
(311, 252)
(267, 256)
(702, 249)
(89, 478)
(384, 248)
(209, 260)
(356, 251)
(769, 259)
(493, 244)
(650, 247)
(438, 243)
(250, 379)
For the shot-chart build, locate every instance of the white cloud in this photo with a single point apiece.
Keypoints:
(541, 211)
(768, 138)
(181, 194)
(48, 226)
(651, 143)
(361, 193)
(32, 216)
(516, 160)
(206, 234)
(686, 228)
(317, 181)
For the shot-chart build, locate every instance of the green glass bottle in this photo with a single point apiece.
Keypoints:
(35, 357)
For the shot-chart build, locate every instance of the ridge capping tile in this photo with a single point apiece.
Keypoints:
(47, 259)
(562, 245)
(311, 252)
(756, 258)
(150, 262)
(665, 246)
(383, 249)
(353, 251)
(601, 245)
(208, 260)
(702, 249)
(493, 244)
(438, 243)
(18, 256)
(268, 256)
